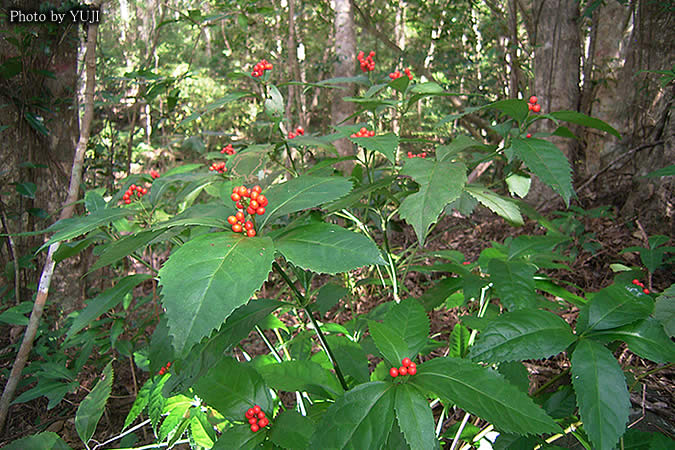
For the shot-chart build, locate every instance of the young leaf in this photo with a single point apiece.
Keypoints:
(495, 203)
(140, 403)
(458, 342)
(176, 411)
(327, 248)
(157, 401)
(232, 387)
(484, 393)
(291, 430)
(91, 409)
(602, 396)
(362, 418)
(301, 376)
(523, 334)
(415, 418)
(411, 322)
(389, 342)
(440, 183)
(548, 163)
(645, 338)
(224, 271)
(514, 283)
(615, 306)
(583, 119)
(384, 143)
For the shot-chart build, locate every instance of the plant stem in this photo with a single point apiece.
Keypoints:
(550, 382)
(646, 374)
(274, 351)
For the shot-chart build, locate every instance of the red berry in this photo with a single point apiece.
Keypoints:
(242, 191)
(125, 196)
(412, 370)
(257, 409)
(262, 200)
(257, 189)
(239, 205)
(300, 130)
(248, 225)
(254, 195)
(533, 99)
(132, 187)
(252, 420)
(250, 210)
(536, 108)
(412, 366)
(239, 216)
(371, 54)
(251, 233)
(236, 228)
(263, 422)
(145, 191)
(646, 291)
(393, 372)
(168, 364)
(127, 201)
(403, 370)
(406, 362)
(261, 415)
(260, 211)
(636, 281)
(235, 197)
(528, 135)
(231, 220)
(254, 428)
(251, 412)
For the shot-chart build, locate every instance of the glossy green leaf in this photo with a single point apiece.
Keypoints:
(646, 338)
(208, 214)
(350, 356)
(77, 226)
(239, 437)
(291, 430)
(69, 249)
(516, 374)
(232, 387)
(327, 248)
(302, 193)
(126, 246)
(664, 310)
(495, 203)
(385, 144)
(440, 183)
(553, 289)
(523, 334)
(176, 410)
(389, 342)
(415, 418)
(615, 306)
(361, 419)
(548, 163)
(512, 107)
(105, 301)
(514, 283)
(225, 270)
(602, 396)
(91, 408)
(140, 403)
(44, 440)
(411, 322)
(484, 393)
(301, 376)
(583, 119)
(458, 343)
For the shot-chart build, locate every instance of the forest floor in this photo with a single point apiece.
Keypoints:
(652, 406)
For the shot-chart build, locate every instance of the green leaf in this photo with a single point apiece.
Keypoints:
(224, 271)
(440, 183)
(602, 396)
(274, 104)
(213, 215)
(548, 163)
(91, 409)
(495, 203)
(329, 295)
(27, 189)
(105, 301)
(664, 310)
(389, 342)
(583, 119)
(361, 419)
(303, 193)
(415, 418)
(291, 430)
(76, 226)
(411, 322)
(93, 200)
(457, 145)
(440, 292)
(239, 437)
(123, 247)
(514, 283)
(232, 387)
(458, 343)
(518, 184)
(645, 338)
(157, 401)
(512, 107)
(484, 393)
(176, 410)
(667, 171)
(516, 374)
(301, 376)
(350, 356)
(36, 122)
(140, 403)
(229, 98)
(385, 144)
(44, 440)
(524, 334)
(327, 248)
(614, 306)
(53, 390)
(69, 249)
(553, 289)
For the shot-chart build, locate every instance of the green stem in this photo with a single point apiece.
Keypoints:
(550, 382)
(646, 374)
(277, 356)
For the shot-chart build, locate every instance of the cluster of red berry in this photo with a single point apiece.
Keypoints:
(532, 105)
(638, 283)
(363, 132)
(228, 149)
(154, 174)
(298, 132)
(407, 368)
(260, 68)
(256, 418)
(133, 189)
(218, 167)
(165, 369)
(253, 201)
(419, 155)
(367, 64)
(396, 74)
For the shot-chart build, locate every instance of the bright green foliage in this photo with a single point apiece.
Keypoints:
(301, 376)
(225, 270)
(495, 203)
(140, 403)
(601, 391)
(514, 283)
(239, 437)
(389, 342)
(584, 120)
(484, 393)
(411, 322)
(327, 248)
(652, 257)
(362, 418)
(45, 440)
(516, 374)
(291, 430)
(127, 245)
(514, 108)
(414, 417)
(548, 163)
(385, 144)
(91, 408)
(457, 145)
(77, 226)
(157, 401)
(459, 341)
(231, 388)
(523, 334)
(350, 356)
(614, 306)
(644, 337)
(440, 183)
(175, 409)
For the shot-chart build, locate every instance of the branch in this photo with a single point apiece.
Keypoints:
(66, 212)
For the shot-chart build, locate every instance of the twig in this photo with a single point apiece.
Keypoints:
(12, 248)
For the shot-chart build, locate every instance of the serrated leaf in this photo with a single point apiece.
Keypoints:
(45, 439)
(361, 419)
(583, 119)
(646, 338)
(175, 409)
(291, 430)
(91, 408)
(389, 342)
(664, 310)
(239, 437)
(106, 301)
(496, 203)
(415, 418)
(303, 193)
(484, 393)
(440, 183)
(615, 306)
(350, 357)
(516, 374)
(520, 335)
(301, 376)
(123, 247)
(385, 144)
(157, 401)
(232, 387)
(77, 226)
(410, 320)
(602, 396)
(548, 163)
(514, 283)
(140, 403)
(458, 343)
(327, 248)
(225, 270)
